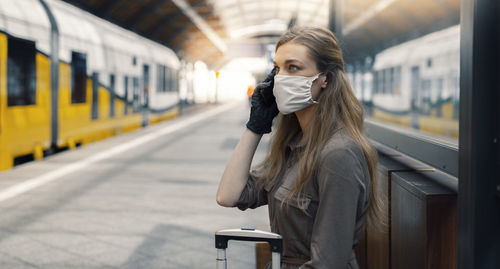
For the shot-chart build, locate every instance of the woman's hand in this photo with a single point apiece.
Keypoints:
(264, 107)
(236, 173)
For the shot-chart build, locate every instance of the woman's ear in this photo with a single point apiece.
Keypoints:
(323, 80)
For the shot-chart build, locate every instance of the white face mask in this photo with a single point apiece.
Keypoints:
(293, 93)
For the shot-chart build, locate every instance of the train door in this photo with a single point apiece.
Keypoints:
(125, 86)
(145, 86)
(415, 86)
(145, 95)
(3, 52)
(111, 95)
(415, 83)
(135, 94)
(95, 95)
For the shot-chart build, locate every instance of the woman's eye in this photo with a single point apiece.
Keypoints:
(293, 68)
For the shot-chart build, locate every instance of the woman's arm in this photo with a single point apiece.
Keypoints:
(262, 112)
(235, 174)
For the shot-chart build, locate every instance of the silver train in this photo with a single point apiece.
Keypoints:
(416, 83)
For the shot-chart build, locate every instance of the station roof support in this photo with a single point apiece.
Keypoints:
(335, 17)
(201, 24)
(479, 136)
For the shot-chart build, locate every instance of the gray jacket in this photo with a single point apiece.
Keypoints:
(336, 199)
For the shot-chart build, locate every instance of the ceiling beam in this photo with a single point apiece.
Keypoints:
(151, 8)
(195, 36)
(192, 40)
(103, 10)
(201, 24)
(160, 26)
(173, 34)
(367, 16)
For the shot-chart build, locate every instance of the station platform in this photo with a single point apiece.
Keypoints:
(144, 199)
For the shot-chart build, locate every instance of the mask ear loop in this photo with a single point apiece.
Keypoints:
(310, 89)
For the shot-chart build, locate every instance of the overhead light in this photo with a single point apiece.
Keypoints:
(271, 27)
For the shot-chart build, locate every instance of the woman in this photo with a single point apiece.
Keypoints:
(319, 175)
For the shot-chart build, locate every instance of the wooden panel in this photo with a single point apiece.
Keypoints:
(378, 241)
(442, 232)
(423, 222)
(407, 231)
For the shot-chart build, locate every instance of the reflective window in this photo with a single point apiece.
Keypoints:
(21, 72)
(416, 84)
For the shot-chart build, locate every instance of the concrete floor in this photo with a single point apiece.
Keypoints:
(151, 206)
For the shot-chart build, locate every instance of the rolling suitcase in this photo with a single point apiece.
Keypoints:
(245, 234)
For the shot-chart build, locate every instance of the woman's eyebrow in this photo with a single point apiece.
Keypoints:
(290, 61)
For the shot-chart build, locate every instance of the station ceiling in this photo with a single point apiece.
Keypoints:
(207, 30)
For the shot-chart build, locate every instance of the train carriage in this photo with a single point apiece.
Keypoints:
(416, 83)
(69, 78)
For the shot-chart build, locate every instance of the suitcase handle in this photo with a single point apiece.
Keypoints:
(246, 234)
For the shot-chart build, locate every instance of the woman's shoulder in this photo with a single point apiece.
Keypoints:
(343, 156)
(341, 143)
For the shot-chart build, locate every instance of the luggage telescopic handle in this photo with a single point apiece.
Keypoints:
(244, 234)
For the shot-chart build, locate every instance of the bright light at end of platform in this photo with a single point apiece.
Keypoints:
(237, 75)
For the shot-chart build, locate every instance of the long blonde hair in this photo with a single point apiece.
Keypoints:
(337, 107)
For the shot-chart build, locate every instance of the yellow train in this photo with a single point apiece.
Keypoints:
(68, 78)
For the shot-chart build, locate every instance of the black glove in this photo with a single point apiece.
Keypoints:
(263, 106)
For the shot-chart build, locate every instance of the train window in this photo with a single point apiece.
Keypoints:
(161, 84)
(159, 80)
(385, 81)
(380, 76)
(425, 97)
(21, 72)
(397, 80)
(168, 78)
(171, 80)
(78, 78)
(391, 80)
(175, 80)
